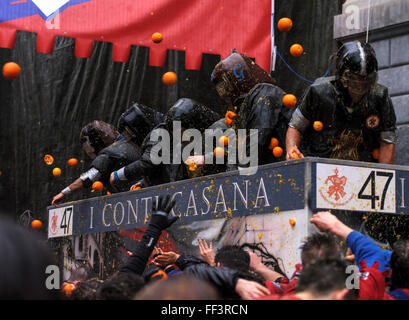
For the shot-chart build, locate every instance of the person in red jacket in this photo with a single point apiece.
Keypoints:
(323, 279)
(400, 271)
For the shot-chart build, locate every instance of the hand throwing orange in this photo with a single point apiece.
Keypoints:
(97, 186)
(169, 78)
(278, 152)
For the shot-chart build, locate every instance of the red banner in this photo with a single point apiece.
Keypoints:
(194, 26)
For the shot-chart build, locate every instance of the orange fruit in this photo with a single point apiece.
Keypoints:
(278, 152)
(36, 224)
(69, 288)
(375, 154)
(135, 188)
(273, 143)
(108, 193)
(318, 126)
(224, 141)
(11, 70)
(296, 50)
(169, 78)
(97, 186)
(295, 155)
(48, 159)
(218, 152)
(289, 101)
(292, 222)
(72, 162)
(157, 37)
(56, 172)
(192, 167)
(285, 24)
(230, 117)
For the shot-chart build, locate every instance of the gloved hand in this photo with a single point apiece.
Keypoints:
(160, 216)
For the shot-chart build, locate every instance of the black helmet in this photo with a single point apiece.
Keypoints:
(137, 121)
(191, 114)
(356, 59)
(97, 135)
(236, 75)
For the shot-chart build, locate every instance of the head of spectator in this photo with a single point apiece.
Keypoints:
(24, 261)
(179, 288)
(323, 279)
(97, 135)
(318, 246)
(400, 265)
(121, 286)
(86, 289)
(233, 257)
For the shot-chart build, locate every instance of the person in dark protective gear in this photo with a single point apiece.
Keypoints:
(356, 112)
(251, 93)
(187, 114)
(110, 150)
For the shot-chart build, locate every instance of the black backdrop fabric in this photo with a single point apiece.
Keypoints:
(43, 111)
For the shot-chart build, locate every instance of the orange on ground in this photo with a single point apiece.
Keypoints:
(36, 224)
(285, 24)
(290, 101)
(375, 154)
(11, 70)
(48, 159)
(157, 37)
(97, 186)
(278, 152)
(169, 78)
(292, 222)
(218, 152)
(296, 50)
(69, 288)
(273, 143)
(318, 126)
(72, 162)
(224, 141)
(56, 172)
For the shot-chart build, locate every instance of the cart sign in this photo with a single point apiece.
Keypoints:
(355, 188)
(60, 222)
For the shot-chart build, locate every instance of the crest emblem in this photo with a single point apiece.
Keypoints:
(54, 227)
(372, 122)
(335, 193)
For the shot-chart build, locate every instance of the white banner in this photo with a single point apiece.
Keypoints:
(355, 188)
(60, 222)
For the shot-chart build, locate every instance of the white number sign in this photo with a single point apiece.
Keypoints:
(60, 222)
(355, 188)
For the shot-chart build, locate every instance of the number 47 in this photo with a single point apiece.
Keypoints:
(372, 196)
(65, 222)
